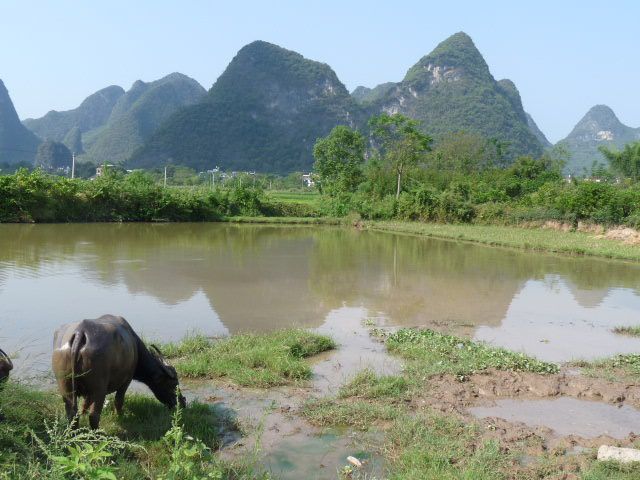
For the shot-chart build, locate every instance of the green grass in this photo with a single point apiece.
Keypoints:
(307, 198)
(365, 401)
(285, 220)
(611, 471)
(366, 384)
(537, 239)
(630, 331)
(429, 446)
(34, 431)
(251, 360)
(431, 352)
(625, 368)
(359, 414)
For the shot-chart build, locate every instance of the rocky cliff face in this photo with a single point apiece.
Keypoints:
(270, 105)
(451, 89)
(599, 127)
(264, 113)
(17, 143)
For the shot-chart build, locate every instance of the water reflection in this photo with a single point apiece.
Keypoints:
(218, 278)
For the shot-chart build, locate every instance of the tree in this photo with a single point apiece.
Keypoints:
(400, 143)
(339, 158)
(625, 162)
(466, 152)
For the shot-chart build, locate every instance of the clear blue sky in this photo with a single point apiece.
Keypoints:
(564, 56)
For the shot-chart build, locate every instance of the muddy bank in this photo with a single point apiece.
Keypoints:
(626, 235)
(525, 397)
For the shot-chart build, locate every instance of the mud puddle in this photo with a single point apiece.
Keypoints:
(357, 350)
(567, 416)
(264, 424)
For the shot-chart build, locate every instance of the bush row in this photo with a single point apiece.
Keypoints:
(37, 197)
(600, 203)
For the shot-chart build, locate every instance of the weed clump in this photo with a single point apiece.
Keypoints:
(630, 331)
(436, 352)
(250, 360)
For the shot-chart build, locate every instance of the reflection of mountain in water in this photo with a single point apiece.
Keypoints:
(261, 277)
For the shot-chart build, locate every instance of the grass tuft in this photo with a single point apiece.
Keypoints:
(367, 384)
(630, 331)
(620, 368)
(250, 360)
(360, 414)
(435, 352)
(432, 446)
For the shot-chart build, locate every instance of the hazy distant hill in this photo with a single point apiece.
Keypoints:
(137, 114)
(264, 112)
(452, 89)
(599, 126)
(69, 126)
(17, 143)
(537, 132)
(369, 95)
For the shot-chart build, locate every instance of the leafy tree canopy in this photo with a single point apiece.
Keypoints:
(339, 157)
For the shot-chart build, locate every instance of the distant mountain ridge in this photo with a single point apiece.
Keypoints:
(137, 114)
(17, 143)
(270, 105)
(92, 113)
(599, 127)
(109, 125)
(452, 89)
(264, 113)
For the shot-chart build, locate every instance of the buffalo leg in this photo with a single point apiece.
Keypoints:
(71, 408)
(95, 410)
(85, 405)
(118, 402)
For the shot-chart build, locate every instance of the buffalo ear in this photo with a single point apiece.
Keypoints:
(168, 369)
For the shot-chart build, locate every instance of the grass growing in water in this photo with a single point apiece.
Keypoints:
(248, 359)
(630, 331)
(431, 352)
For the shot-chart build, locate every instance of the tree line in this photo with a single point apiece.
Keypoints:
(399, 172)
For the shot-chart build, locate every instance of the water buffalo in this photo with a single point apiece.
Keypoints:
(5, 365)
(93, 358)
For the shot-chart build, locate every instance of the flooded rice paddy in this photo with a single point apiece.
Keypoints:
(220, 279)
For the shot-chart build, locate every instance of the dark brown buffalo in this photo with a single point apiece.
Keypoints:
(93, 358)
(5, 365)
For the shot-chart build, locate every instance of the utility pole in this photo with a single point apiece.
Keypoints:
(165, 176)
(73, 165)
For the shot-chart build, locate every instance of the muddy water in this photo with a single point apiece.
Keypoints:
(221, 279)
(568, 416)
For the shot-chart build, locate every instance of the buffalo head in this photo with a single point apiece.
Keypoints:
(164, 384)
